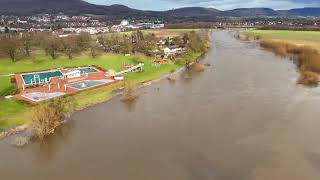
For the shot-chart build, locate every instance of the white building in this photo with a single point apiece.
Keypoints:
(173, 50)
(124, 23)
(72, 74)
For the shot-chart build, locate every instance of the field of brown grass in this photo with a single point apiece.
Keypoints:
(308, 58)
(164, 33)
(306, 52)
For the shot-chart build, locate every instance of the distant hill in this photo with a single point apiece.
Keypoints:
(251, 12)
(29, 7)
(302, 12)
(193, 11)
(244, 12)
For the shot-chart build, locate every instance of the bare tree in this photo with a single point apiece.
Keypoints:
(94, 49)
(147, 45)
(10, 45)
(104, 41)
(52, 45)
(69, 46)
(47, 116)
(27, 41)
(178, 41)
(126, 45)
(83, 41)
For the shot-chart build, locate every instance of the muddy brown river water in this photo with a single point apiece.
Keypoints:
(244, 118)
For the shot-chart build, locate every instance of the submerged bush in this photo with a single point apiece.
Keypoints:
(20, 141)
(309, 60)
(130, 93)
(309, 78)
(172, 78)
(47, 116)
(198, 67)
(242, 36)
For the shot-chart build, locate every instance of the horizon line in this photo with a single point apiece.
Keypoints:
(257, 7)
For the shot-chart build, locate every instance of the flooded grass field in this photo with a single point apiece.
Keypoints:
(243, 118)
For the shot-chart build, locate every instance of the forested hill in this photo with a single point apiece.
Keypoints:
(30, 7)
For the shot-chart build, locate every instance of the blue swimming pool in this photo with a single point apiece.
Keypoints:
(40, 77)
(44, 77)
(87, 70)
(88, 84)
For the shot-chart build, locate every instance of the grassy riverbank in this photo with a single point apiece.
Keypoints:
(79, 51)
(12, 112)
(301, 45)
(299, 38)
(285, 35)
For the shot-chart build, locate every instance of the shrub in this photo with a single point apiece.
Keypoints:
(130, 93)
(242, 36)
(172, 78)
(198, 67)
(309, 78)
(20, 141)
(47, 116)
(309, 60)
(279, 48)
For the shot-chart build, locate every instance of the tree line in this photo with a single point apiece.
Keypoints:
(17, 45)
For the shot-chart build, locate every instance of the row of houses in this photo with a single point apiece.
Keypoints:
(125, 25)
(90, 30)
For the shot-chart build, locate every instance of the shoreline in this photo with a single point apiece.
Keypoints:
(17, 120)
(113, 92)
(22, 128)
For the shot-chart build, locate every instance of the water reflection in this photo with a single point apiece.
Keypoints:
(47, 149)
(130, 105)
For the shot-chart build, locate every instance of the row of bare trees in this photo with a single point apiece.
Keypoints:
(129, 43)
(26, 44)
(11, 44)
(54, 45)
(15, 45)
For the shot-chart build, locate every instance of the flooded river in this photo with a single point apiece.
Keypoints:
(244, 118)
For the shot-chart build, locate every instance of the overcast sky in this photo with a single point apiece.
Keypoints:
(219, 4)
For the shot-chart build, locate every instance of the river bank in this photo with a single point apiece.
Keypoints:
(300, 46)
(242, 118)
(13, 112)
(109, 92)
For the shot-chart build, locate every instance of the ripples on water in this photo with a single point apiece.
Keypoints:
(243, 118)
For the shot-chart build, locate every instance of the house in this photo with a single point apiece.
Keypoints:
(118, 28)
(171, 50)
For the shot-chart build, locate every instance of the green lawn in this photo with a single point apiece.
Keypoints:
(94, 96)
(284, 35)
(109, 61)
(12, 113)
(5, 85)
(44, 62)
